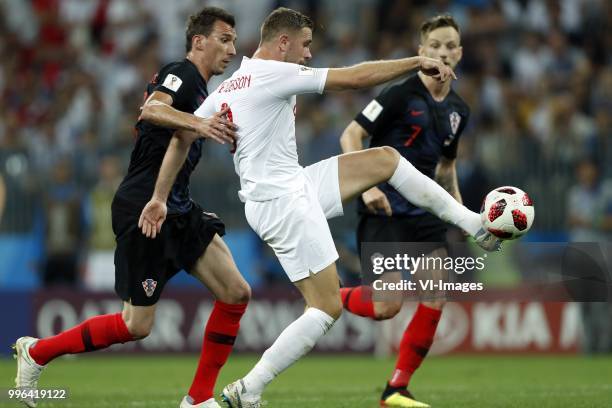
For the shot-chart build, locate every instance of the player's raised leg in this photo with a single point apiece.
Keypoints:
(359, 171)
(321, 292)
(217, 270)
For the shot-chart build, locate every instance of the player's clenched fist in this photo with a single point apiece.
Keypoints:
(217, 127)
(437, 69)
(376, 200)
(152, 217)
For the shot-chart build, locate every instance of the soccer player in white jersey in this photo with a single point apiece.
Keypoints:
(287, 205)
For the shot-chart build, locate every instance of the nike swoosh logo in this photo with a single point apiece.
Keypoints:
(416, 113)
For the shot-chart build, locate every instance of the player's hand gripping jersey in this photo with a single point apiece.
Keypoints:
(262, 96)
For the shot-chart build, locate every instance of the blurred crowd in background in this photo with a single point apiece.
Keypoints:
(537, 75)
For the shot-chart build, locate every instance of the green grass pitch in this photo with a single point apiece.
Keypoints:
(320, 381)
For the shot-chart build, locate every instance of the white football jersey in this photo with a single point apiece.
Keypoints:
(261, 95)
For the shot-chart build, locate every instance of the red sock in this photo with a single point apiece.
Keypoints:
(219, 337)
(358, 300)
(415, 344)
(93, 334)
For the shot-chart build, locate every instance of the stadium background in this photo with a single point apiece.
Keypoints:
(537, 75)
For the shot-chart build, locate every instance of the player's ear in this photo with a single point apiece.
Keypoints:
(283, 42)
(460, 50)
(421, 50)
(198, 42)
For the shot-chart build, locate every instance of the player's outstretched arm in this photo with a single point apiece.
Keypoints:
(372, 73)
(158, 110)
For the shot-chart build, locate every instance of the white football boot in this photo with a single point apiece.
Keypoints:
(209, 403)
(236, 395)
(28, 372)
(487, 241)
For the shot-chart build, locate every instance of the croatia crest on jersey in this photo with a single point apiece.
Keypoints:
(149, 286)
(455, 121)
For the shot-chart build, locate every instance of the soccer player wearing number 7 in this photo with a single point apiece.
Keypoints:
(423, 119)
(287, 205)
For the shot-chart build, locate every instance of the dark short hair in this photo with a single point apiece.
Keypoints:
(284, 19)
(202, 22)
(445, 20)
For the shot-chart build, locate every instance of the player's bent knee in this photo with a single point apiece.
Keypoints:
(437, 304)
(238, 294)
(387, 310)
(390, 158)
(139, 330)
(391, 153)
(333, 309)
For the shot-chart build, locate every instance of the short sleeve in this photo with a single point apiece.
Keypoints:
(381, 110)
(294, 79)
(207, 108)
(179, 82)
(450, 151)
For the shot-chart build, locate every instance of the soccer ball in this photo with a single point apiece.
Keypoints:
(507, 212)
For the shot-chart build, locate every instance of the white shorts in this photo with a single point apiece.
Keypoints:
(295, 225)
